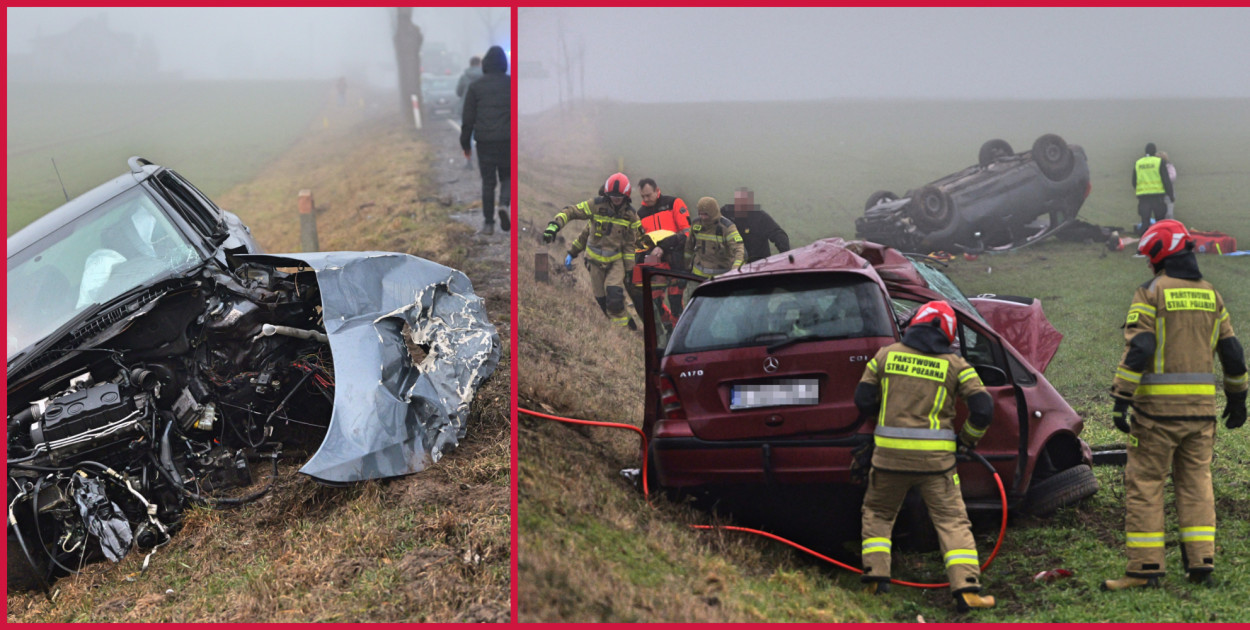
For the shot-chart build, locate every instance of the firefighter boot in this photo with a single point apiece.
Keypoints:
(1201, 576)
(1128, 582)
(878, 587)
(968, 600)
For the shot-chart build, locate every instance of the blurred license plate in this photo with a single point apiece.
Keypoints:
(786, 391)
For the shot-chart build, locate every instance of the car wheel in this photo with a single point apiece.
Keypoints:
(878, 197)
(992, 150)
(1054, 157)
(1064, 488)
(931, 209)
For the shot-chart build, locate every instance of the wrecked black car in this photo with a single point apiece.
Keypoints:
(1005, 201)
(156, 357)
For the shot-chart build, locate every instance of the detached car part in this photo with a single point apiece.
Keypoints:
(1005, 201)
(154, 355)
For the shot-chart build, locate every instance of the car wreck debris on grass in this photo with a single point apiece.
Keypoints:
(154, 355)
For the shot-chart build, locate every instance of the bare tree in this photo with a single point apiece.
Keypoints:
(408, 40)
(493, 20)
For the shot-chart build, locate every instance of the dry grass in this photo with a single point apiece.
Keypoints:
(429, 547)
(371, 186)
(590, 547)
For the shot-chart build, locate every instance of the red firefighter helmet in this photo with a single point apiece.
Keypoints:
(1163, 239)
(617, 184)
(940, 311)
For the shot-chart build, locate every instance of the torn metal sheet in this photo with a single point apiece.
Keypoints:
(392, 417)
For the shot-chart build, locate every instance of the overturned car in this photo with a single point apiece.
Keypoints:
(1005, 201)
(155, 357)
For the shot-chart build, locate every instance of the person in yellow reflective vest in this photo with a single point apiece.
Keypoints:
(609, 239)
(1153, 185)
(910, 388)
(1176, 325)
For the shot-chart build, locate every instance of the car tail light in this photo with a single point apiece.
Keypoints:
(1088, 187)
(670, 403)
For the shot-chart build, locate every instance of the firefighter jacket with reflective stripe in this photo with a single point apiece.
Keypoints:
(915, 425)
(1148, 176)
(714, 249)
(610, 234)
(668, 213)
(1187, 318)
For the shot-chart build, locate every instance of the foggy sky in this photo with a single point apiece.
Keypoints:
(680, 55)
(269, 43)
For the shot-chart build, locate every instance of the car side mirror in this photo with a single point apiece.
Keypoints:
(991, 375)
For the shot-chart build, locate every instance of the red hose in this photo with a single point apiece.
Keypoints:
(1002, 492)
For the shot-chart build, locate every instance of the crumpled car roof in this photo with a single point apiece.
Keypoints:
(392, 417)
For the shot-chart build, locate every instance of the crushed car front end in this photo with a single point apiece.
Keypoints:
(153, 365)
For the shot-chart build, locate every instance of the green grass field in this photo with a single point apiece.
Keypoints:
(218, 134)
(813, 165)
(591, 550)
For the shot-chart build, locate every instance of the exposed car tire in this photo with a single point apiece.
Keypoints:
(878, 197)
(931, 209)
(992, 150)
(1064, 488)
(1054, 157)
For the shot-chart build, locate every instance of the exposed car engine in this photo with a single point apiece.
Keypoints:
(169, 397)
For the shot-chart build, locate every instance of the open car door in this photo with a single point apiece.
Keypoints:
(664, 291)
(1005, 444)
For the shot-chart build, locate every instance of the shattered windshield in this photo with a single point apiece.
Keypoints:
(940, 283)
(116, 247)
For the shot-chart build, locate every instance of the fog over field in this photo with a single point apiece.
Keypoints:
(688, 55)
(817, 108)
(247, 43)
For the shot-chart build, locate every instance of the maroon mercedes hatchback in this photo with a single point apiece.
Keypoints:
(754, 385)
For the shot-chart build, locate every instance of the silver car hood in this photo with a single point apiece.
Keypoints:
(392, 417)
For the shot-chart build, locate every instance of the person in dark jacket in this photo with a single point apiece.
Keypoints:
(755, 225)
(471, 74)
(487, 120)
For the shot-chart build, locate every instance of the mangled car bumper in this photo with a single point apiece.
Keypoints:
(393, 417)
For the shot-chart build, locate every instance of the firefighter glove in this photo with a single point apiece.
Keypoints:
(963, 444)
(1235, 410)
(549, 234)
(1119, 414)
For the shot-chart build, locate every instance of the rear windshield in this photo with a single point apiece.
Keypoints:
(776, 309)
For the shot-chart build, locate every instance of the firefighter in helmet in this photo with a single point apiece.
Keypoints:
(609, 239)
(910, 388)
(1176, 324)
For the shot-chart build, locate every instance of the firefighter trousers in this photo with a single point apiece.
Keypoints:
(610, 292)
(1185, 448)
(940, 491)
